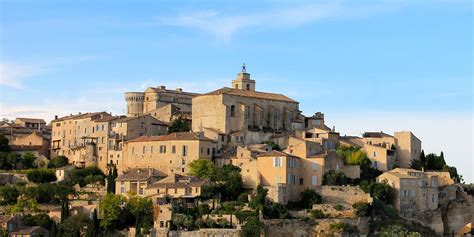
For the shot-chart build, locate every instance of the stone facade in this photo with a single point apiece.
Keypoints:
(343, 194)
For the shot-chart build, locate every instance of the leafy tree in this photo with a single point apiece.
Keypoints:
(351, 155)
(380, 191)
(41, 175)
(252, 227)
(453, 172)
(361, 208)
(203, 209)
(258, 202)
(58, 162)
(180, 124)
(12, 159)
(367, 172)
(398, 230)
(202, 168)
(28, 160)
(309, 197)
(142, 210)
(73, 225)
(243, 198)
(180, 220)
(110, 210)
(4, 144)
(333, 177)
(275, 211)
(8, 194)
(40, 219)
(23, 205)
(78, 176)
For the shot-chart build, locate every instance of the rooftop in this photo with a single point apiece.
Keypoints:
(31, 120)
(178, 136)
(253, 94)
(140, 174)
(275, 153)
(179, 181)
(82, 116)
(376, 134)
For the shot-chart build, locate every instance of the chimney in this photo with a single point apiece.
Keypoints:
(55, 117)
(333, 128)
(162, 87)
(79, 112)
(179, 90)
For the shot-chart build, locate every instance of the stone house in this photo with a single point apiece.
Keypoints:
(33, 231)
(176, 187)
(136, 180)
(11, 222)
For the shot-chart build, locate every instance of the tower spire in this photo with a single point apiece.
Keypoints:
(243, 68)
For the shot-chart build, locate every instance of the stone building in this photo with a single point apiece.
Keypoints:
(154, 98)
(415, 190)
(241, 115)
(408, 148)
(32, 123)
(176, 187)
(170, 154)
(28, 135)
(96, 139)
(136, 180)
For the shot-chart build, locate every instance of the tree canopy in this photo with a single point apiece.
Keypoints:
(180, 124)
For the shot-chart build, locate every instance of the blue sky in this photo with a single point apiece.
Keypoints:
(368, 65)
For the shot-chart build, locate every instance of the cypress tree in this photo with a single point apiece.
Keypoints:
(64, 210)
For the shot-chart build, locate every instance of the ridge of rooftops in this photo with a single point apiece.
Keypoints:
(183, 136)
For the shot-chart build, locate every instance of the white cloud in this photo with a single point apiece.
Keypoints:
(224, 26)
(14, 74)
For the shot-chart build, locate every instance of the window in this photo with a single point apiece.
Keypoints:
(133, 150)
(162, 149)
(314, 166)
(248, 87)
(208, 151)
(314, 180)
(144, 149)
(175, 190)
(142, 125)
(185, 150)
(182, 170)
(375, 154)
(173, 149)
(301, 181)
(151, 149)
(157, 190)
(277, 162)
(232, 111)
(277, 179)
(432, 198)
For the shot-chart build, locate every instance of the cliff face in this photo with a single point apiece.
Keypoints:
(457, 208)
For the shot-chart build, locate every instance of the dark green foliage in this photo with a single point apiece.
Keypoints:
(361, 208)
(78, 176)
(351, 155)
(275, 211)
(308, 198)
(397, 230)
(252, 227)
(180, 125)
(258, 201)
(4, 144)
(333, 177)
(8, 194)
(202, 168)
(203, 209)
(437, 163)
(367, 172)
(73, 225)
(93, 229)
(338, 207)
(40, 219)
(58, 162)
(111, 179)
(41, 175)
(273, 145)
(27, 162)
(142, 211)
(380, 191)
(243, 198)
(318, 214)
(64, 210)
(243, 215)
(45, 193)
(343, 227)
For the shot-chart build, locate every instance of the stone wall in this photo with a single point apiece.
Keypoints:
(343, 194)
(203, 233)
(320, 227)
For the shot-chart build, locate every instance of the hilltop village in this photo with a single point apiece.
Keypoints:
(231, 162)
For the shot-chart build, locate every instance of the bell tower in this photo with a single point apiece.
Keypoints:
(243, 81)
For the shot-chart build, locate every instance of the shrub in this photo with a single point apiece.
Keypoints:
(335, 178)
(338, 207)
(41, 175)
(317, 214)
(309, 197)
(361, 208)
(342, 227)
(243, 198)
(58, 161)
(251, 228)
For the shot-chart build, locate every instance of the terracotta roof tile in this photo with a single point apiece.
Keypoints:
(179, 181)
(140, 174)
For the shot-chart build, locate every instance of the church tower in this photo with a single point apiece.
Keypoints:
(243, 81)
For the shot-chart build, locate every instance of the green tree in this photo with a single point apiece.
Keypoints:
(252, 227)
(58, 162)
(273, 145)
(361, 208)
(142, 210)
(180, 220)
(258, 201)
(4, 144)
(41, 175)
(27, 162)
(333, 177)
(73, 225)
(40, 219)
(111, 179)
(93, 229)
(110, 210)
(64, 210)
(309, 197)
(78, 176)
(12, 159)
(180, 124)
(380, 191)
(23, 205)
(398, 230)
(202, 168)
(8, 194)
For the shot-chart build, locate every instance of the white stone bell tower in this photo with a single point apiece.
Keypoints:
(243, 81)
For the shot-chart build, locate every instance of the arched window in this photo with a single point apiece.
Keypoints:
(248, 87)
(236, 86)
(232, 111)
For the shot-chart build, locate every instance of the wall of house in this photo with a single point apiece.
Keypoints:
(408, 148)
(343, 194)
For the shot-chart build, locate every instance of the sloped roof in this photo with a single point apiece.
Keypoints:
(82, 116)
(275, 153)
(107, 119)
(30, 230)
(179, 181)
(31, 120)
(140, 174)
(126, 119)
(376, 134)
(177, 136)
(253, 94)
